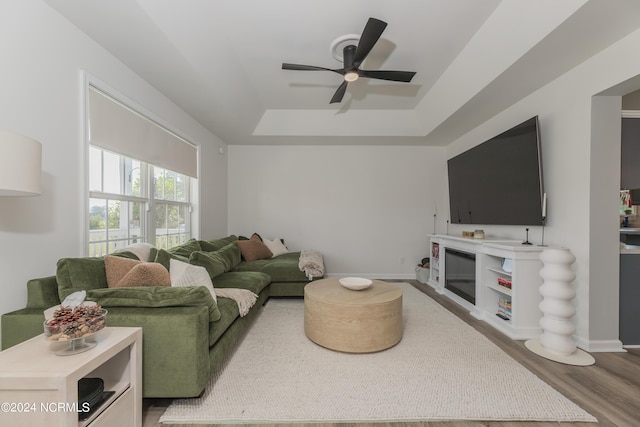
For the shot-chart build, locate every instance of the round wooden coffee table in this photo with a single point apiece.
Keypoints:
(353, 321)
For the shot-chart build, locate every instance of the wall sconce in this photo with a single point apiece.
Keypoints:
(20, 165)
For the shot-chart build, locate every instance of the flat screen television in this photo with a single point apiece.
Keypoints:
(499, 182)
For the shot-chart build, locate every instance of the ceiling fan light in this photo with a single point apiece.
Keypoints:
(351, 76)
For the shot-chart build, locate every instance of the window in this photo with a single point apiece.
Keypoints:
(132, 201)
(140, 179)
(172, 210)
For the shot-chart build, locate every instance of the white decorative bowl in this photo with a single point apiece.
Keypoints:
(355, 283)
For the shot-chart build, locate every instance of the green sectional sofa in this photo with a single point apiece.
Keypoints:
(186, 333)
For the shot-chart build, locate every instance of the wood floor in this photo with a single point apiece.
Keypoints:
(608, 390)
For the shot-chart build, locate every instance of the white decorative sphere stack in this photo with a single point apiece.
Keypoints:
(556, 306)
(556, 342)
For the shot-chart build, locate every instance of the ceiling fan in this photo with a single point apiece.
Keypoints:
(353, 56)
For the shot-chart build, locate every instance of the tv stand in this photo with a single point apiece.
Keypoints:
(506, 299)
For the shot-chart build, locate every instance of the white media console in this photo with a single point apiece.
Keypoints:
(506, 293)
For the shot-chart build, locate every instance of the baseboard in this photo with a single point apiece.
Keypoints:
(600, 346)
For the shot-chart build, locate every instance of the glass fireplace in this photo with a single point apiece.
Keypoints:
(460, 274)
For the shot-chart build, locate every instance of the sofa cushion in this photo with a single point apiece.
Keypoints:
(209, 261)
(230, 256)
(219, 261)
(283, 268)
(253, 248)
(42, 292)
(76, 274)
(164, 257)
(184, 274)
(214, 245)
(229, 312)
(185, 249)
(253, 281)
(156, 296)
(250, 280)
(123, 272)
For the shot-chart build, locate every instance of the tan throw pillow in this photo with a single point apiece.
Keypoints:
(254, 249)
(123, 272)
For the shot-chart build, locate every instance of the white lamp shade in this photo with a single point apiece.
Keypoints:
(20, 165)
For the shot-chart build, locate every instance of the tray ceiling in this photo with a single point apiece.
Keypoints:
(221, 61)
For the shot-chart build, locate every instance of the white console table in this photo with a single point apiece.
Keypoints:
(518, 305)
(39, 388)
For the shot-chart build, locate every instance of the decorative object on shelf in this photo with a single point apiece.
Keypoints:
(505, 283)
(355, 283)
(504, 308)
(507, 265)
(72, 322)
(467, 234)
(435, 251)
(20, 165)
(555, 342)
(527, 242)
(478, 234)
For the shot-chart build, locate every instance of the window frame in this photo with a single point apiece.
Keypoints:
(149, 203)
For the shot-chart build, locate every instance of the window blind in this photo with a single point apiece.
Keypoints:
(117, 128)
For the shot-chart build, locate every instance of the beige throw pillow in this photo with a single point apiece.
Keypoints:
(141, 250)
(275, 246)
(185, 274)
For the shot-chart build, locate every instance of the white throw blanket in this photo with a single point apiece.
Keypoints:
(243, 297)
(312, 263)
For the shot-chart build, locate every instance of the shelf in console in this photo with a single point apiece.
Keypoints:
(499, 271)
(501, 289)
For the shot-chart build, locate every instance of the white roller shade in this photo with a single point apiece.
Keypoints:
(117, 128)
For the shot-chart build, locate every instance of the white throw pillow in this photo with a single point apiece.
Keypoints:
(185, 274)
(275, 246)
(141, 250)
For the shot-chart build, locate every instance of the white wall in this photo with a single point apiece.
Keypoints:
(581, 164)
(42, 59)
(367, 209)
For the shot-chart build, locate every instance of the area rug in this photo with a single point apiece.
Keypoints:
(442, 369)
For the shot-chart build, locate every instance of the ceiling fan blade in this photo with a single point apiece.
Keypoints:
(369, 37)
(395, 76)
(337, 97)
(298, 67)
